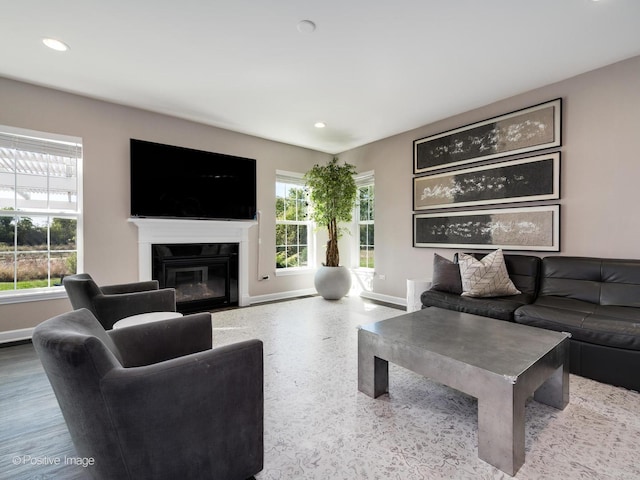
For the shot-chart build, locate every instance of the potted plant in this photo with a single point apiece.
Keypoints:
(333, 194)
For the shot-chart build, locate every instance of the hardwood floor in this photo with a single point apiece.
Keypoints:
(34, 440)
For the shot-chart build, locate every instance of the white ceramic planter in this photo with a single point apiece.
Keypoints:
(332, 283)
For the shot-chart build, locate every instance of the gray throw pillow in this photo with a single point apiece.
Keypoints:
(446, 275)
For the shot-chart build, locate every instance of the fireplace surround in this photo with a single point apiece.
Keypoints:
(161, 231)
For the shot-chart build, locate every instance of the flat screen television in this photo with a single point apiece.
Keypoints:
(178, 182)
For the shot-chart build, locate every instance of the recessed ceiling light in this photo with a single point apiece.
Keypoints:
(55, 44)
(306, 26)
(319, 124)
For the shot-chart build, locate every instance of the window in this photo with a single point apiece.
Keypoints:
(365, 220)
(293, 227)
(39, 209)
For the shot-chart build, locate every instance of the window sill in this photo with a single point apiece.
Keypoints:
(23, 296)
(294, 271)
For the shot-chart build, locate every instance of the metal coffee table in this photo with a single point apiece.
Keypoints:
(498, 362)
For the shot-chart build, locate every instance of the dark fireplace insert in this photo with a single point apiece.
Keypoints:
(205, 275)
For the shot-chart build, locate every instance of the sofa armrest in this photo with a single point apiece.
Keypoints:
(111, 308)
(130, 287)
(154, 342)
(217, 399)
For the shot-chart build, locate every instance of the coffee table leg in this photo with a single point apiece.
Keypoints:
(555, 390)
(373, 372)
(501, 428)
(501, 411)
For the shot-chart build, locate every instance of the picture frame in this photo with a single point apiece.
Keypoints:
(526, 130)
(535, 228)
(521, 180)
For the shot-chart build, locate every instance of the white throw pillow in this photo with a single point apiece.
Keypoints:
(487, 277)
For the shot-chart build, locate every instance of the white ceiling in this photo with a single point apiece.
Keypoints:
(371, 69)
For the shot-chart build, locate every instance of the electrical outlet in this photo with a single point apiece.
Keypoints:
(382, 276)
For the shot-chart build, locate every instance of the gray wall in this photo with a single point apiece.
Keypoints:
(111, 253)
(600, 171)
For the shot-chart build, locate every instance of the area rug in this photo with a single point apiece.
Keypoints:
(318, 426)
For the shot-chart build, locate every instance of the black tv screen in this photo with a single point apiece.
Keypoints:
(177, 182)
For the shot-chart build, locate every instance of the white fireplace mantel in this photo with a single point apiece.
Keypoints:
(161, 230)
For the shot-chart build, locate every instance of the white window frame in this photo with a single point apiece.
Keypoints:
(362, 180)
(295, 178)
(72, 143)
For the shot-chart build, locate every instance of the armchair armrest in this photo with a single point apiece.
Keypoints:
(111, 308)
(217, 399)
(154, 342)
(130, 287)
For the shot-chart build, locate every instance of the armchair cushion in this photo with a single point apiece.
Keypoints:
(163, 340)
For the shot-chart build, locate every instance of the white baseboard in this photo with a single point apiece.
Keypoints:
(16, 335)
(384, 298)
(272, 297)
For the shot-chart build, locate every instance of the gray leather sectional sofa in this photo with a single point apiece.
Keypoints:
(597, 300)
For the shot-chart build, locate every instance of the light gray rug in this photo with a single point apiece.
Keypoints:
(318, 426)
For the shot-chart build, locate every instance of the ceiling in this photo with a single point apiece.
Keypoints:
(371, 68)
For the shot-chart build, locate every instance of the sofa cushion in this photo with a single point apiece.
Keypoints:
(621, 283)
(613, 311)
(524, 272)
(566, 303)
(501, 308)
(573, 277)
(487, 277)
(611, 326)
(446, 275)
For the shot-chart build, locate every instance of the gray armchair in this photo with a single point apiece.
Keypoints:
(155, 401)
(111, 303)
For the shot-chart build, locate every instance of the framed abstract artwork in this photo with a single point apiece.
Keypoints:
(521, 180)
(534, 128)
(519, 228)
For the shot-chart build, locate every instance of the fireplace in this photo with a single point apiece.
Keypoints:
(205, 276)
(162, 231)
